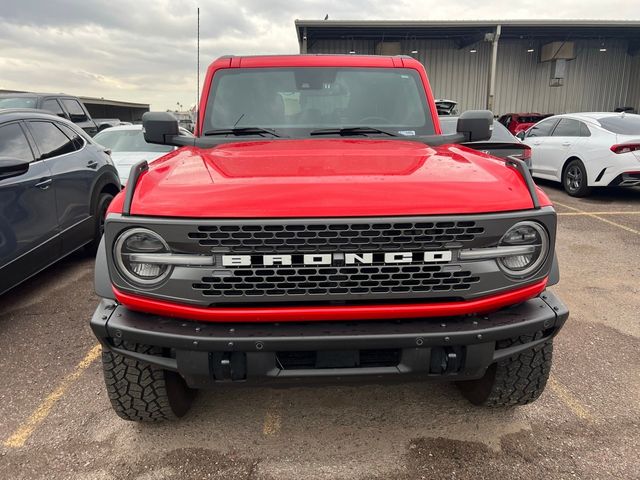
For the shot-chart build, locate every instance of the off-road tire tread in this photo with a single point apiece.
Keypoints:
(519, 379)
(138, 391)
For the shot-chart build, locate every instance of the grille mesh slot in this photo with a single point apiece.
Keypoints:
(336, 280)
(371, 237)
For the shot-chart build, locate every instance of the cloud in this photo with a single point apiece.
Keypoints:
(145, 51)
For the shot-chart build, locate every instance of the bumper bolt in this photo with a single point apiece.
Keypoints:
(446, 339)
(479, 337)
(443, 325)
(475, 323)
(118, 334)
(195, 343)
(198, 329)
(230, 344)
(419, 341)
(259, 345)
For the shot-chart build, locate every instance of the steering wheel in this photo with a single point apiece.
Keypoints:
(373, 119)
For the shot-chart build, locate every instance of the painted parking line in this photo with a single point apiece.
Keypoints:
(24, 431)
(599, 217)
(272, 421)
(621, 212)
(569, 400)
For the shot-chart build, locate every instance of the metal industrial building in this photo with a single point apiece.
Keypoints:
(551, 66)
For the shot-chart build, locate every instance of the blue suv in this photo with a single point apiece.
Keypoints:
(55, 186)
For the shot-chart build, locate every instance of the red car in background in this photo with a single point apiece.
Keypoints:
(518, 122)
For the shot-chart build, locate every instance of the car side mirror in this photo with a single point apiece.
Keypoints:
(160, 127)
(475, 125)
(12, 167)
(521, 134)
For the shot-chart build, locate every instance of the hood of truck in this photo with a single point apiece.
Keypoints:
(327, 178)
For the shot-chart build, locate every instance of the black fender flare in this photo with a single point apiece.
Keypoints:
(101, 278)
(554, 274)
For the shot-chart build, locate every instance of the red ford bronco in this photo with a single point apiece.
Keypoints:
(321, 227)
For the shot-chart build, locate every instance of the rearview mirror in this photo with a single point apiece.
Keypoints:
(160, 127)
(475, 125)
(521, 134)
(12, 167)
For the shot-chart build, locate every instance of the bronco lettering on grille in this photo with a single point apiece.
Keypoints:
(368, 258)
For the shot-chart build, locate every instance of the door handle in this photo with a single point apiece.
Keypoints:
(537, 143)
(92, 164)
(44, 183)
(566, 144)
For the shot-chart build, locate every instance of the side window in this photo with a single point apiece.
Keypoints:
(76, 112)
(50, 140)
(14, 144)
(567, 127)
(54, 107)
(542, 129)
(584, 130)
(75, 137)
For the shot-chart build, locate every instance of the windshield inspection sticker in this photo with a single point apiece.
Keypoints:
(407, 133)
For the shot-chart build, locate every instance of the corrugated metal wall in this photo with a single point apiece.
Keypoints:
(594, 81)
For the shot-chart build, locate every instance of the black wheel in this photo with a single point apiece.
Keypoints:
(141, 392)
(99, 216)
(516, 380)
(574, 179)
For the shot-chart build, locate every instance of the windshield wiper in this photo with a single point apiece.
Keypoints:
(241, 131)
(346, 131)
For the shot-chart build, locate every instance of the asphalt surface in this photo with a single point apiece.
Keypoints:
(56, 422)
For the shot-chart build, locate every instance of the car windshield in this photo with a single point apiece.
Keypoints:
(296, 101)
(18, 102)
(627, 124)
(530, 118)
(128, 141)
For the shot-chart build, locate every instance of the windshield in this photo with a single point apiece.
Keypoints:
(18, 102)
(128, 141)
(295, 101)
(627, 124)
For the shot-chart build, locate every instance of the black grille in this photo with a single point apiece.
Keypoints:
(339, 280)
(331, 237)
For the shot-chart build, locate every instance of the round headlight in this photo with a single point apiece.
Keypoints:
(140, 241)
(525, 234)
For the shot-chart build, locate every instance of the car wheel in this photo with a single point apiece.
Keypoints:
(99, 216)
(574, 179)
(516, 380)
(141, 392)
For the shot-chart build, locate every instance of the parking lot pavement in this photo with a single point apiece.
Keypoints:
(56, 421)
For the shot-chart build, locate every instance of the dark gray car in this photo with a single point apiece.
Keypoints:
(64, 106)
(55, 187)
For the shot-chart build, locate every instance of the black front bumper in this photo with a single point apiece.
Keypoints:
(453, 348)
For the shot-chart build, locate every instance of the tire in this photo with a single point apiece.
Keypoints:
(574, 179)
(99, 215)
(516, 380)
(141, 392)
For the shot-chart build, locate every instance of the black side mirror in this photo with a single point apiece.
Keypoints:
(12, 167)
(521, 134)
(160, 127)
(475, 125)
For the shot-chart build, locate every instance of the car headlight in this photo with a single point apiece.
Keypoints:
(140, 241)
(524, 234)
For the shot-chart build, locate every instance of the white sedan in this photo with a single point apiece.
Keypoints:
(585, 150)
(128, 147)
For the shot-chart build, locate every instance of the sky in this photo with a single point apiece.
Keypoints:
(145, 50)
